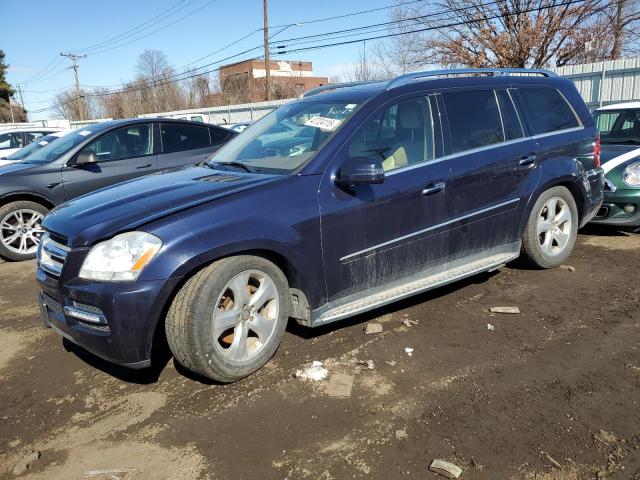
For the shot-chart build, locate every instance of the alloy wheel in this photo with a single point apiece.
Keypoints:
(20, 231)
(246, 315)
(554, 226)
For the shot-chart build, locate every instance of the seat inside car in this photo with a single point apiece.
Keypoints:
(409, 146)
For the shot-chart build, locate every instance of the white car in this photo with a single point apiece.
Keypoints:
(13, 140)
(24, 152)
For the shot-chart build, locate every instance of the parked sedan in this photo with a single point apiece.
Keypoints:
(88, 159)
(32, 147)
(619, 128)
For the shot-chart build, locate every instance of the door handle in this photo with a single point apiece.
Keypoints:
(433, 188)
(527, 160)
(143, 166)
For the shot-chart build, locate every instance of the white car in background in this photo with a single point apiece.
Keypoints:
(40, 142)
(14, 139)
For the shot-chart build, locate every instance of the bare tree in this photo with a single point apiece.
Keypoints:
(507, 33)
(362, 69)
(67, 106)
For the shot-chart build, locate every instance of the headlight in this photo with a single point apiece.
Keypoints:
(120, 259)
(631, 175)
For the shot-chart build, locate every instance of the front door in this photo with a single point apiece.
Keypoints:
(122, 154)
(374, 234)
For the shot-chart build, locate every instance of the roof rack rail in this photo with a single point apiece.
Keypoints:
(403, 79)
(335, 86)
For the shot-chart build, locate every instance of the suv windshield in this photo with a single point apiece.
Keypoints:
(32, 147)
(53, 150)
(619, 126)
(286, 138)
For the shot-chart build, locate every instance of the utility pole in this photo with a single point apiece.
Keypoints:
(74, 64)
(267, 62)
(21, 98)
(11, 110)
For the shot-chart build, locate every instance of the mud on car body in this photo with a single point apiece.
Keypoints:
(619, 128)
(387, 189)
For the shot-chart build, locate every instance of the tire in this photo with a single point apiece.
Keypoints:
(549, 238)
(24, 219)
(212, 334)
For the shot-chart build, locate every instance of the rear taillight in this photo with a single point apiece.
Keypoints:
(596, 152)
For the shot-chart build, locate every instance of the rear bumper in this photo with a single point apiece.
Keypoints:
(130, 313)
(613, 211)
(594, 186)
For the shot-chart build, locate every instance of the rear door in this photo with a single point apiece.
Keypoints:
(183, 144)
(493, 166)
(123, 154)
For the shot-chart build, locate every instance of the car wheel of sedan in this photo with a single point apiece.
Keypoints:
(20, 229)
(552, 228)
(228, 319)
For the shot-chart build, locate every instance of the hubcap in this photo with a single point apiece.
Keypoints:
(554, 226)
(246, 315)
(20, 231)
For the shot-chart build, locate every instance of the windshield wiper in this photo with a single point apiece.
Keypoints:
(237, 164)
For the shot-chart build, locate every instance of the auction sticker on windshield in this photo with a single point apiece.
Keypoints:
(323, 123)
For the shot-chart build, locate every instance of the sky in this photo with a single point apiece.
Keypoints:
(34, 33)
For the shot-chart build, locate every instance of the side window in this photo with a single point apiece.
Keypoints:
(218, 135)
(546, 110)
(510, 120)
(128, 142)
(31, 136)
(398, 136)
(474, 119)
(177, 137)
(11, 140)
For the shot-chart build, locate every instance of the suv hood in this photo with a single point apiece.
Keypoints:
(7, 166)
(126, 206)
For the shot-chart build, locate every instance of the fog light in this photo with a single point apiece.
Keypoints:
(628, 208)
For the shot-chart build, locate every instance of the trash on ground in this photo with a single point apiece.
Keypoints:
(339, 385)
(490, 327)
(513, 310)
(410, 323)
(605, 437)
(446, 469)
(408, 351)
(553, 461)
(112, 473)
(570, 268)
(26, 462)
(373, 328)
(315, 372)
(367, 363)
(401, 434)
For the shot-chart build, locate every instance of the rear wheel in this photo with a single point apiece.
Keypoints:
(552, 228)
(20, 229)
(227, 321)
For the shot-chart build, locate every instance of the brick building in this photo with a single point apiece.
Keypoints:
(246, 81)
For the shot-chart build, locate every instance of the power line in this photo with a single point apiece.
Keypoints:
(329, 45)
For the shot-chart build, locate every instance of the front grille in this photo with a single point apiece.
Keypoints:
(52, 254)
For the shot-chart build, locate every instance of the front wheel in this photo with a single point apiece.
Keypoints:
(227, 321)
(552, 228)
(20, 229)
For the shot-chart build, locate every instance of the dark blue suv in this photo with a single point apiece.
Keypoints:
(350, 198)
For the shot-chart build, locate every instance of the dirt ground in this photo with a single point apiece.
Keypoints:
(550, 393)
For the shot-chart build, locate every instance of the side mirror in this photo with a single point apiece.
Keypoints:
(360, 171)
(85, 157)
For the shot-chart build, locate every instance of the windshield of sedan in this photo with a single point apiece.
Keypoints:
(32, 147)
(285, 139)
(619, 126)
(54, 150)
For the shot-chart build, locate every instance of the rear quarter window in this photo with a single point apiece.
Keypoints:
(546, 110)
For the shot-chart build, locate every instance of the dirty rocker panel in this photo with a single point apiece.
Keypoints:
(352, 256)
(417, 283)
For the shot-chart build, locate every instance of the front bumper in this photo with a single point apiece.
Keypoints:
(612, 211)
(130, 314)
